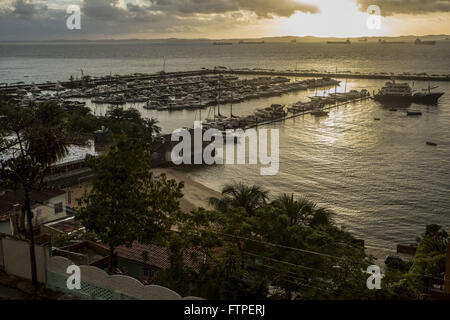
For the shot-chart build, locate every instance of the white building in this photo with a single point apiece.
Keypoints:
(47, 205)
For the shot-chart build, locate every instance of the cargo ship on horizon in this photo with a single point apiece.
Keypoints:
(421, 42)
(251, 42)
(340, 42)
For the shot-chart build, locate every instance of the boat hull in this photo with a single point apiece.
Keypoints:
(431, 98)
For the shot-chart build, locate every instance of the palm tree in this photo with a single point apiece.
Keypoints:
(132, 124)
(239, 195)
(295, 210)
(302, 211)
(321, 217)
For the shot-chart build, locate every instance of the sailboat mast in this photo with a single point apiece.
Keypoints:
(335, 92)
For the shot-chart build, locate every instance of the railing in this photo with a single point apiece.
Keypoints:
(96, 284)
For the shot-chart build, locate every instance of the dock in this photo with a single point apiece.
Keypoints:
(302, 113)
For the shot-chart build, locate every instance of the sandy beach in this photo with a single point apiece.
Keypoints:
(195, 194)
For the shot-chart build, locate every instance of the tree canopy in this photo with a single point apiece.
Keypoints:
(127, 202)
(285, 249)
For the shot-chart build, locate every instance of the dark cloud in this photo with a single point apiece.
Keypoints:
(26, 10)
(28, 19)
(33, 19)
(262, 8)
(390, 7)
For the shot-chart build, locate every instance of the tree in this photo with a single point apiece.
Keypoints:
(239, 195)
(410, 280)
(306, 256)
(131, 123)
(33, 138)
(289, 245)
(127, 202)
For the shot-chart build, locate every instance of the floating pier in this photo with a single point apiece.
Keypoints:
(302, 113)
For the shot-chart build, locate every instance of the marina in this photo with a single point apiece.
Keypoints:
(192, 92)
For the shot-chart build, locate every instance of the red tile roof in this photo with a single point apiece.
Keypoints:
(157, 256)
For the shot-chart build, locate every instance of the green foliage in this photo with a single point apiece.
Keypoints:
(241, 196)
(127, 202)
(411, 280)
(64, 239)
(81, 120)
(130, 123)
(286, 249)
(118, 120)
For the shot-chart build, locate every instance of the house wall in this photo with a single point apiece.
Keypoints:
(134, 269)
(46, 213)
(16, 259)
(41, 214)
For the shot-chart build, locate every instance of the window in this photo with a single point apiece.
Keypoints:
(58, 208)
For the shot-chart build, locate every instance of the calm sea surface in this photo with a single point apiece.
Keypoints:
(380, 178)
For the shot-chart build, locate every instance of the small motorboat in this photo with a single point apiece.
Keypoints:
(393, 109)
(413, 113)
(431, 144)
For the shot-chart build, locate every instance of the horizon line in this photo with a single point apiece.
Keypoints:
(228, 39)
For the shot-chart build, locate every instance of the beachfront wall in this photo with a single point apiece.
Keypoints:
(16, 258)
(96, 284)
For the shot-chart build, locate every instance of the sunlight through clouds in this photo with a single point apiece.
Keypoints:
(337, 19)
(220, 18)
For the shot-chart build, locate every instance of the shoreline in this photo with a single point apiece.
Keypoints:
(195, 194)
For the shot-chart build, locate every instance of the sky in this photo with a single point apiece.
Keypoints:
(221, 19)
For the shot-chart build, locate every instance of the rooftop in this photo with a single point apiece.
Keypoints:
(66, 225)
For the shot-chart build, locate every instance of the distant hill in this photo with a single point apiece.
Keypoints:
(284, 39)
(407, 38)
